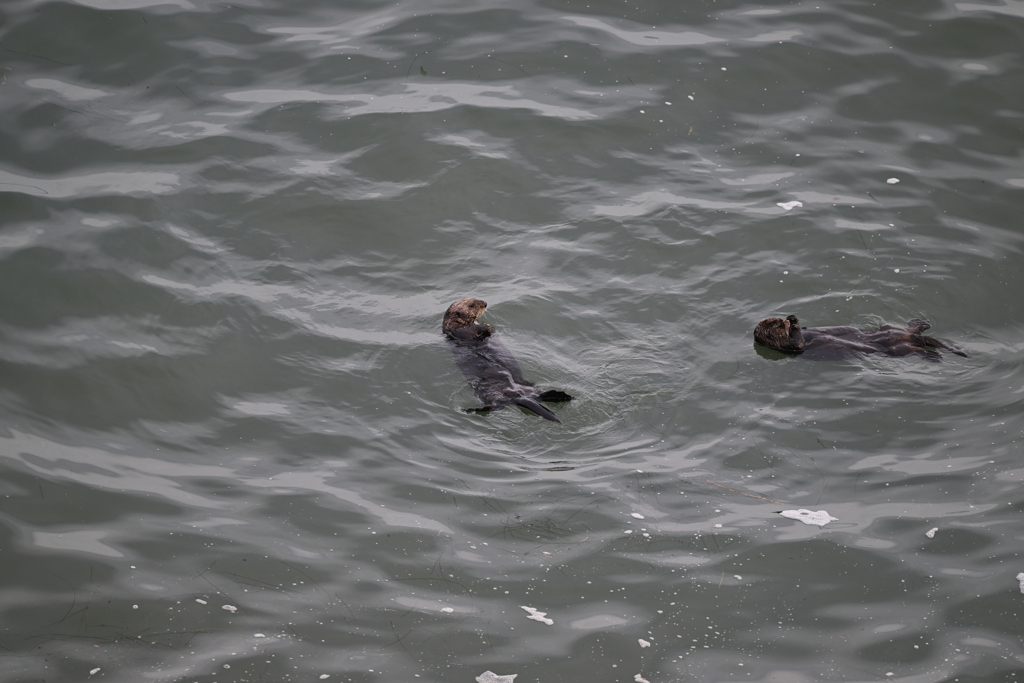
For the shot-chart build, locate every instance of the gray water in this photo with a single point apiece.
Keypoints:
(229, 232)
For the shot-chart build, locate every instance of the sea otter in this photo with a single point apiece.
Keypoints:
(489, 366)
(838, 343)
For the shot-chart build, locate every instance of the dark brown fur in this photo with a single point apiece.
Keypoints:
(837, 343)
(489, 365)
(460, 320)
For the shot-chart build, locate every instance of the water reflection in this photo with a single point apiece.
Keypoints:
(233, 443)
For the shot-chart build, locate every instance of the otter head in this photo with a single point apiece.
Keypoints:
(462, 313)
(781, 335)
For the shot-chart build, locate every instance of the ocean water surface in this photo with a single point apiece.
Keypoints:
(232, 438)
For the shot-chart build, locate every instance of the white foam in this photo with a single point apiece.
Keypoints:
(537, 616)
(491, 677)
(819, 518)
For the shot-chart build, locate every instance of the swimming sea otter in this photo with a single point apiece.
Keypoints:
(489, 366)
(837, 343)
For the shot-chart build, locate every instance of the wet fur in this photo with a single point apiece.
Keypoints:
(844, 342)
(489, 365)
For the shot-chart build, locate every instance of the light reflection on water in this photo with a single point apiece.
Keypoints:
(233, 443)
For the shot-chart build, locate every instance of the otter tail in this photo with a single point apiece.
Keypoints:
(533, 406)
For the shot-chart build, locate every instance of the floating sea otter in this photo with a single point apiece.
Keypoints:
(489, 366)
(838, 343)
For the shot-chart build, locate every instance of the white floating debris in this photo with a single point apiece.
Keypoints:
(1020, 577)
(537, 616)
(94, 671)
(689, 97)
(790, 205)
(892, 181)
(643, 643)
(931, 532)
(229, 608)
(491, 677)
(737, 577)
(324, 677)
(258, 635)
(640, 679)
(447, 610)
(819, 518)
(201, 601)
(636, 515)
(135, 607)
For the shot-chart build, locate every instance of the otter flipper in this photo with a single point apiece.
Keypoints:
(554, 396)
(930, 355)
(474, 332)
(932, 341)
(533, 406)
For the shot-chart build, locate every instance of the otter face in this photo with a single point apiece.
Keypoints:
(781, 335)
(462, 313)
